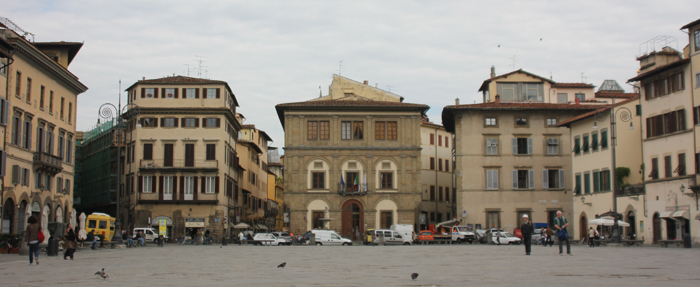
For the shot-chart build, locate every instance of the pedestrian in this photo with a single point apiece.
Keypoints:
(591, 236)
(139, 237)
(91, 237)
(549, 237)
(240, 238)
(31, 238)
(206, 236)
(527, 229)
(561, 223)
(69, 243)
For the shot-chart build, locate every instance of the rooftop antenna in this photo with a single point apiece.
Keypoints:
(583, 78)
(199, 65)
(188, 69)
(389, 87)
(514, 59)
(340, 68)
(320, 92)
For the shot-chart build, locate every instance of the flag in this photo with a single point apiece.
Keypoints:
(355, 182)
(342, 183)
(364, 183)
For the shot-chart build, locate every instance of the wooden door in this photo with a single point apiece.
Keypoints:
(168, 155)
(583, 227)
(189, 155)
(657, 228)
(352, 219)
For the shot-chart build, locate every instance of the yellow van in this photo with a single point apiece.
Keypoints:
(101, 223)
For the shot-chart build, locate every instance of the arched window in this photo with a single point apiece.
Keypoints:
(353, 178)
(318, 175)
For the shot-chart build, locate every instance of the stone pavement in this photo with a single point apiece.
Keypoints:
(438, 265)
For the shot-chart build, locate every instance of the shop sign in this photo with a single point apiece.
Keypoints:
(162, 227)
(286, 217)
(194, 222)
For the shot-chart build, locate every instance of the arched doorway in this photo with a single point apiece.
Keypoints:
(657, 228)
(631, 231)
(583, 227)
(8, 216)
(352, 219)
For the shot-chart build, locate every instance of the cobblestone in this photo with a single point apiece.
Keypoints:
(444, 265)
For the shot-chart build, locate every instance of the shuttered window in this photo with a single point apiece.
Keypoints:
(211, 151)
(492, 179)
(148, 151)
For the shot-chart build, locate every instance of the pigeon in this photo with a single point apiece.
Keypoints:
(102, 274)
(282, 265)
(499, 45)
(540, 39)
(414, 276)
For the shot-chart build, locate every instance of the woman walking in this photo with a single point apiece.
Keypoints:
(69, 243)
(31, 237)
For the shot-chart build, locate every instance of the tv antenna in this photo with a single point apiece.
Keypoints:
(389, 87)
(514, 60)
(199, 65)
(340, 68)
(583, 78)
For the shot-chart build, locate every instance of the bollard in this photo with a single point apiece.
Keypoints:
(224, 241)
(312, 239)
(52, 248)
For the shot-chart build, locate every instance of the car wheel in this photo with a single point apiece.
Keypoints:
(319, 244)
(471, 242)
(406, 243)
(509, 243)
(345, 244)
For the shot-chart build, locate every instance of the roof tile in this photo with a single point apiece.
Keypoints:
(352, 103)
(522, 106)
(588, 114)
(572, 85)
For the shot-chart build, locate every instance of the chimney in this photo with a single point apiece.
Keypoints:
(366, 82)
(578, 101)
(143, 78)
(457, 102)
(498, 99)
(493, 72)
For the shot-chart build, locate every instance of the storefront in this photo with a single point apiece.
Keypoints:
(194, 227)
(166, 222)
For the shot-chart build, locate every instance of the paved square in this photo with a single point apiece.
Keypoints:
(455, 265)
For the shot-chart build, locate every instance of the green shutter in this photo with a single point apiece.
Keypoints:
(585, 144)
(596, 182)
(639, 110)
(607, 184)
(594, 141)
(587, 183)
(578, 184)
(577, 146)
(604, 139)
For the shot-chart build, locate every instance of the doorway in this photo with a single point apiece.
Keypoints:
(352, 219)
(493, 219)
(8, 216)
(631, 230)
(583, 227)
(657, 228)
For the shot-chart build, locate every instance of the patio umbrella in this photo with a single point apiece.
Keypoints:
(28, 211)
(241, 226)
(45, 224)
(608, 222)
(72, 219)
(82, 235)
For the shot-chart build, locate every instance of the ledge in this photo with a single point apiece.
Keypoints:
(667, 135)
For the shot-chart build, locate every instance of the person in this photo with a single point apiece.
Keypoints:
(549, 237)
(543, 236)
(560, 223)
(206, 236)
(127, 239)
(139, 237)
(240, 238)
(527, 229)
(91, 237)
(69, 241)
(31, 238)
(591, 236)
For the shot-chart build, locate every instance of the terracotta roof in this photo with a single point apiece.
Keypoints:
(520, 106)
(662, 52)
(275, 164)
(485, 84)
(430, 123)
(659, 70)
(572, 85)
(352, 103)
(617, 95)
(247, 142)
(691, 24)
(182, 80)
(600, 109)
(248, 126)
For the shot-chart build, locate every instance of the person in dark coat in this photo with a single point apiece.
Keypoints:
(527, 229)
(69, 241)
(31, 237)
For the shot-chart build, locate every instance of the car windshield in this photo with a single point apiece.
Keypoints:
(462, 229)
(284, 234)
(507, 234)
(425, 233)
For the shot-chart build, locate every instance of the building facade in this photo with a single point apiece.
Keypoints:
(437, 177)
(38, 115)
(257, 209)
(179, 160)
(352, 159)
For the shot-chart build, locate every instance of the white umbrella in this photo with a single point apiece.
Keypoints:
(28, 211)
(73, 223)
(241, 226)
(82, 235)
(59, 214)
(608, 222)
(45, 224)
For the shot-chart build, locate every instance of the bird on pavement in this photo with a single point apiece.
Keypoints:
(102, 274)
(282, 265)
(414, 276)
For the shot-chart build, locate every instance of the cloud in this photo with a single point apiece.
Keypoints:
(281, 51)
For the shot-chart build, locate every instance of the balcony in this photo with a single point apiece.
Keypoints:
(630, 190)
(351, 190)
(47, 163)
(179, 164)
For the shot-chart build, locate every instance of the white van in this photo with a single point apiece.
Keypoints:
(406, 230)
(329, 237)
(391, 237)
(149, 234)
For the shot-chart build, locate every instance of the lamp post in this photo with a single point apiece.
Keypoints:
(625, 116)
(106, 112)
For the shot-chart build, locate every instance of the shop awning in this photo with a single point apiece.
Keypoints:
(261, 227)
(666, 214)
(681, 214)
(240, 226)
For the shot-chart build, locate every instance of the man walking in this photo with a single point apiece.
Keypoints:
(560, 223)
(591, 236)
(527, 229)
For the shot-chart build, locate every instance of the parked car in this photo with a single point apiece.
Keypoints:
(329, 237)
(406, 230)
(149, 234)
(284, 235)
(503, 237)
(391, 237)
(270, 239)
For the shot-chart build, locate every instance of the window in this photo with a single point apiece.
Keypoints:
(523, 179)
(190, 93)
(552, 146)
(604, 139)
(665, 124)
(319, 180)
(696, 36)
(311, 130)
(432, 139)
(491, 179)
(432, 163)
(189, 187)
(29, 90)
(149, 122)
(386, 219)
(210, 186)
(211, 123)
(439, 164)
(18, 84)
(317, 222)
(562, 98)
(190, 122)
(585, 144)
(353, 181)
(551, 122)
(604, 177)
(587, 183)
(318, 130)
(27, 140)
(211, 151)
(148, 151)
(577, 188)
(580, 97)
(432, 193)
(667, 166)
(680, 170)
(150, 92)
(553, 178)
(169, 93)
(346, 130)
(664, 86)
(17, 130)
(522, 145)
(4, 112)
(147, 184)
(69, 149)
(169, 122)
(447, 165)
(50, 102)
(521, 91)
(521, 122)
(594, 141)
(439, 140)
(387, 180)
(440, 197)
(697, 76)
(63, 100)
(42, 90)
(357, 130)
(61, 137)
(211, 93)
(490, 122)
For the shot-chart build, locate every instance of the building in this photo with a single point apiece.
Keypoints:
(180, 160)
(352, 159)
(668, 81)
(38, 115)
(511, 157)
(276, 191)
(437, 177)
(7, 214)
(592, 167)
(257, 210)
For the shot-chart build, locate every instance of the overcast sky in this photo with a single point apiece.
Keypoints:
(271, 52)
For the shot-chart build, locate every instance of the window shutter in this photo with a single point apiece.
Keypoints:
(195, 195)
(3, 164)
(529, 146)
(155, 93)
(204, 93)
(531, 178)
(218, 93)
(607, 186)
(184, 93)
(596, 182)
(162, 92)
(494, 179)
(155, 122)
(204, 183)
(183, 121)
(140, 183)
(562, 179)
(160, 187)
(174, 187)
(182, 187)
(216, 180)
(143, 93)
(545, 179)
(176, 122)
(29, 136)
(15, 174)
(515, 145)
(6, 113)
(196, 93)
(153, 183)
(176, 90)
(196, 122)
(218, 122)
(515, 179)
(162, 122)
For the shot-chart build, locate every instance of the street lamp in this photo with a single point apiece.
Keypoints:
(625, 116)
(106, 112)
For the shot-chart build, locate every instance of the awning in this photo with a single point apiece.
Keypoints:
(666, 214)
(262, 227)
(681, 214)
(156, 221)
(240, 226)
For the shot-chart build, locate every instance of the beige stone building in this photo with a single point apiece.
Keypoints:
(38, 119)
(511, 157)
(180, 162)
(592, 167)
(352, 159)
(437, 177)
(258, 211)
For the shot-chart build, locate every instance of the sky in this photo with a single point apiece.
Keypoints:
(271, 52)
